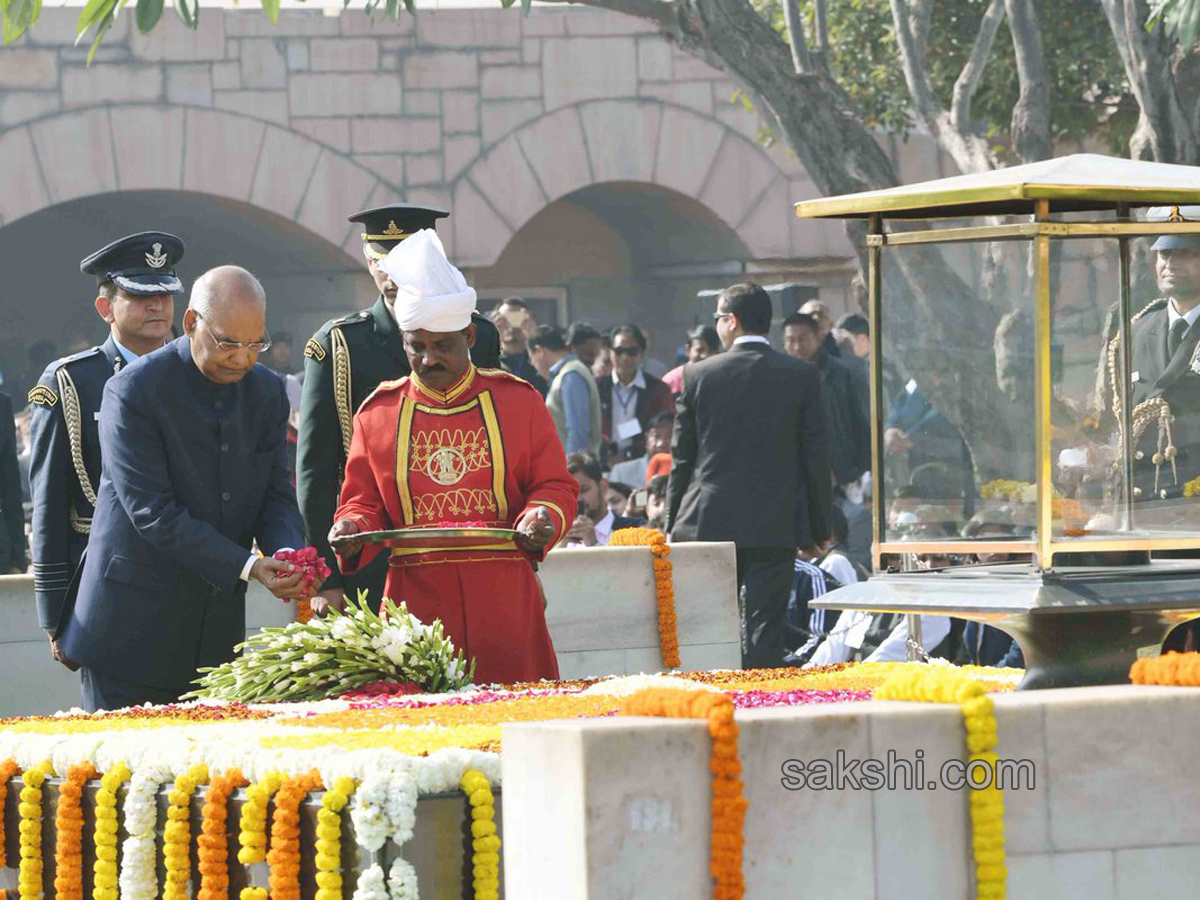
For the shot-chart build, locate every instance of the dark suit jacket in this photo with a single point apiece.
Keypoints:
(655, 399)
(193, 473)
(751, 452)
(849, 425)
(12, 511)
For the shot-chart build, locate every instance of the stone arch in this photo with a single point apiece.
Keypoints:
(79, 153)
(642, 140)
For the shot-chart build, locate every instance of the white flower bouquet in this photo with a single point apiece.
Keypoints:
(326, 657)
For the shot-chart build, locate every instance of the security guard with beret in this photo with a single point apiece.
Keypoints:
(343, 364)
(1164, 374)
(136, 297)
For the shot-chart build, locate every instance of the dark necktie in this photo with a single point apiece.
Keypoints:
(1178, 329)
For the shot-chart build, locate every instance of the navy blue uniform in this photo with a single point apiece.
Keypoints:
(64, 438)
(193, 473)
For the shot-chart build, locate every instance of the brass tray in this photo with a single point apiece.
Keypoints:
(439, 538)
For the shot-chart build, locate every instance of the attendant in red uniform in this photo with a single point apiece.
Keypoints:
(453, 444)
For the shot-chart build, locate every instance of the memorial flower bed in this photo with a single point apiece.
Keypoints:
(375, 751)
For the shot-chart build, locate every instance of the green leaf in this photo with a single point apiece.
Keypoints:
(148, 14)
(188, 12)
(92, 13)
(271, 8)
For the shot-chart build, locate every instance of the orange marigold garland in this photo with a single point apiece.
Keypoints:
(8, 769)
(664, 585)
(284, 856)
(1171, 668)
(728, 803)
(68, 825)
(213, 842)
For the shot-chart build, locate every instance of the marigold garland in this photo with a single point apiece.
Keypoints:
(8, 769)
(104, 870)
(1171, 668)
(664, 585)
(485, 842)
(68, 827)
(29, 878)
(252, 828)
(177, 835)
(284, 856)
(213, 842)
(937, 685)
(728, 803)
(329, 839)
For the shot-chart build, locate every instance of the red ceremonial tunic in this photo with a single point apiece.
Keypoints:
(486, 451)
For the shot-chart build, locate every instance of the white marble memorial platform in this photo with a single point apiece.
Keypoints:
(619, 807)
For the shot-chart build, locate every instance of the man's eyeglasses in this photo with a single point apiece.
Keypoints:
(626, 351)
(231, 346)
(718, 316)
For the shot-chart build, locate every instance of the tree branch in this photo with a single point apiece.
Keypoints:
(972, 72)
(801, 60)
(1031, 114)
(821, 25)
(1164, 132)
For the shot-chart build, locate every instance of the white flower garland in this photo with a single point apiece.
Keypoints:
(139, 877)
(371, 884)
(402, 881)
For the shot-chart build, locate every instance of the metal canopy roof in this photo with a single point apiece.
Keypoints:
(1082, 181)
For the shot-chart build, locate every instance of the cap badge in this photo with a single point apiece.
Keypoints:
(1176, 215)
(156, 259)
(392, 230)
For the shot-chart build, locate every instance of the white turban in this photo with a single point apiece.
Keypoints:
(431, 293)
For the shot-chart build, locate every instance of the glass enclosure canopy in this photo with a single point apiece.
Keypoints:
(1028, 400)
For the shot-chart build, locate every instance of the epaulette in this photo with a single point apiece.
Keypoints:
(76, 357)
(384, 386)
(502, 373)
(352, 319)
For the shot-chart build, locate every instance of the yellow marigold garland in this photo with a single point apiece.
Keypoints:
(284, 856)
(8, 769)
(329, 839)
(68, 827)
(1171, 668)
(1192, 488)
(485, 843)
(29, 879)
(213, 842)
(177, 835)
(104, 870)
(728, 802)
(253, 893)
(664, 585)
(936, 685)
(252, 828)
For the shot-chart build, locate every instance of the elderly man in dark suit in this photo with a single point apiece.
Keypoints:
(751, 464)
(193, 438)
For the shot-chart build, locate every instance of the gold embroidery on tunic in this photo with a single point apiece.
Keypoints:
(461, 502)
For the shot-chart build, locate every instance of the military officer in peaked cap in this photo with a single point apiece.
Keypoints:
(1164, 371)
(343, 363)
(136, 293)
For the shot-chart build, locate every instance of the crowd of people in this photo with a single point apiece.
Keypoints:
(158, 451)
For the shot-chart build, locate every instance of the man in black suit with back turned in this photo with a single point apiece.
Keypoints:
(751, 464)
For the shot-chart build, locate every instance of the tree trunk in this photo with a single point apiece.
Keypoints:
(1031, 115)
(1165, 132)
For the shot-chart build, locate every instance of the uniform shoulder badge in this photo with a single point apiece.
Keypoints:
(314, 350)
(43, 396)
